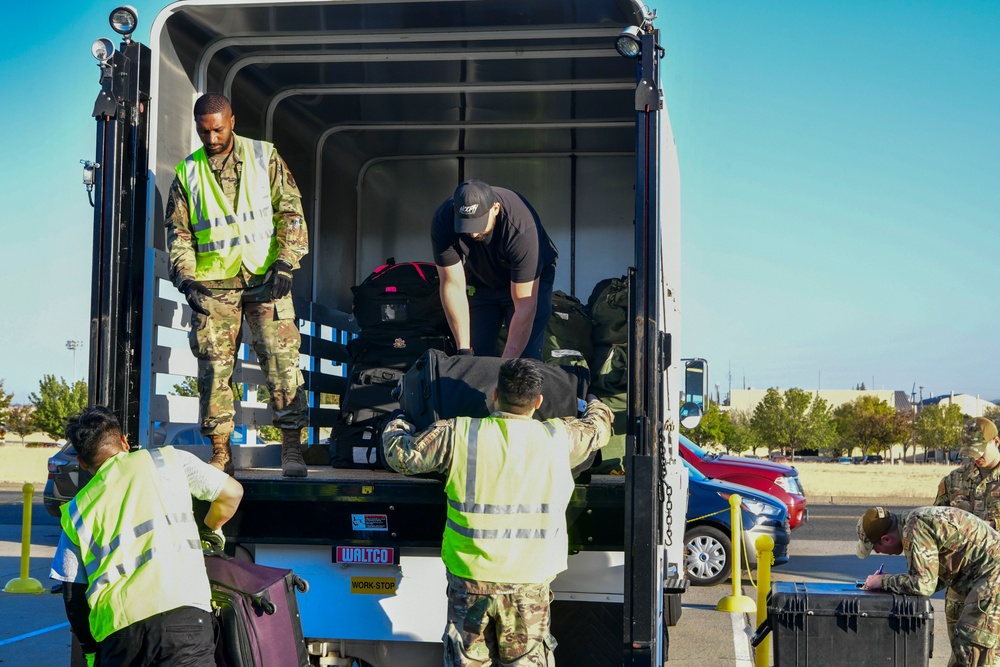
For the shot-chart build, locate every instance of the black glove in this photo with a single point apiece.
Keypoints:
(211, 540)
(466, 352)
(194, 292)
(281, 276)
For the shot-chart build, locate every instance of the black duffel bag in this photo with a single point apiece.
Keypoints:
(401, 296)
(441, 387)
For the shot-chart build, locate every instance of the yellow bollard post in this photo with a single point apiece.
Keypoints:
(24, 584)
(737, 602)
(765, 557)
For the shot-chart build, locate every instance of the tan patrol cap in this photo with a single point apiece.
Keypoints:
(978, 434)
(873, 524)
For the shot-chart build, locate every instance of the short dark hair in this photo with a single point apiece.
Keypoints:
(92, 430)
(212, 103)
(519, 384)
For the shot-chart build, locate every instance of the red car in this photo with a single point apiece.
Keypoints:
(777, 479)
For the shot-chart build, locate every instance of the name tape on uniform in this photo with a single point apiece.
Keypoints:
(365, 555)
(373, 585)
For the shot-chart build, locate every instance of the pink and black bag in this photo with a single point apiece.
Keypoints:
(401, 297)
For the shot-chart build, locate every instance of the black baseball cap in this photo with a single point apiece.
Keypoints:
(473, 200)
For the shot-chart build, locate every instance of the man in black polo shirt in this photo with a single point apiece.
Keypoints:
(509, 268)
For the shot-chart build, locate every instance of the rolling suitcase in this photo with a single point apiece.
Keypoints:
(840, 625)
(441, 387)
(258, 615)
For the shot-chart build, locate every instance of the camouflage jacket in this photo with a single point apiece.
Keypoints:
(289, 220)
(431, 449)
(945, 547)
(967, 489)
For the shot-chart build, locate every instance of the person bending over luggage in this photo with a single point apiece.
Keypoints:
(944, 546)
(974, 487)
(130, 554)
(489, 244)
(509, 481)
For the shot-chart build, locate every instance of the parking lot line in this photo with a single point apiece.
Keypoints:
(28, 635)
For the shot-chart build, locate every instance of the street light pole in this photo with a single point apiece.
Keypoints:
(74, 345)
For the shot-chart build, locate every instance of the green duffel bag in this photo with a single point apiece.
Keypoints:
(613, 454)
(609, 370)
(608, 306)
(569, 328)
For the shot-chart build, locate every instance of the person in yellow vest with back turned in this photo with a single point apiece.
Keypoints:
(236, 230)
(509, 481)
(130, 555)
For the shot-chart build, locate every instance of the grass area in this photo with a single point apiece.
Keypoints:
(908, 480)
(20, 464)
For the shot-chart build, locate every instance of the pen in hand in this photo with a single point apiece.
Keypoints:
(877, 572)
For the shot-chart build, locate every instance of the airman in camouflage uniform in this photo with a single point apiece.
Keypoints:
(215, 336)
(944, 547)
(974, 487)
(492, 622)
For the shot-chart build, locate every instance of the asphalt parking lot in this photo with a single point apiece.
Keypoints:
(34, 631)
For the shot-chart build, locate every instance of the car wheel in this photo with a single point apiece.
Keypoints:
(708, 554)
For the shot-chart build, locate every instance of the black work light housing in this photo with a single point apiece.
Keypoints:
(124, 20)
(629, 43)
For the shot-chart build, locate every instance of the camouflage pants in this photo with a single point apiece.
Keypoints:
(214, 340)
(509, 628)
(974, 626)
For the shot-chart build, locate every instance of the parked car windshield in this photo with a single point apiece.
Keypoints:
(698, 451)
(694, 473)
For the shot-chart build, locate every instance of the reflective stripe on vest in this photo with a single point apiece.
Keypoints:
(508, 487)
(137, 534)
(228, 235)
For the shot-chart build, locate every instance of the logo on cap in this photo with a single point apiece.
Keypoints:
(469, 210)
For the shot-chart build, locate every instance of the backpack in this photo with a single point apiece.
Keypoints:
(569, 328)
(608, 305)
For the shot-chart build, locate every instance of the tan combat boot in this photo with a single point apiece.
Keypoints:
(222, 454)
(292, 464)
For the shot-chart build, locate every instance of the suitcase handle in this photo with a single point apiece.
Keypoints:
(762, 631)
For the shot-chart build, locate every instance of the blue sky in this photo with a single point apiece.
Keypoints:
(838, 182)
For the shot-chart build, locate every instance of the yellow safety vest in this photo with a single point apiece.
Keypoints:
(138, 539)
(226, 236)
(508, 487)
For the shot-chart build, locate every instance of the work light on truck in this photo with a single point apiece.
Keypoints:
(123, 20)
(102, 49)
(628, 43)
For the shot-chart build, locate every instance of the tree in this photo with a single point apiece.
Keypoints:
(993, 413)
(869, 423)
(792, 421)
(56, 402)
(939, 427)
(21, 420)
(821, 433)
(187, 388)
(5, 400)
(712, 428)
(740, 437)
